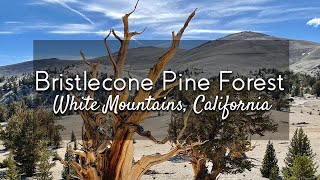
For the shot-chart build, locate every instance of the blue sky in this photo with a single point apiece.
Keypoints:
(23, 21)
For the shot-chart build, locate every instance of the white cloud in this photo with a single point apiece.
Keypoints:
(94, 7)
(77, 12)
(51, 28)
(230, 14)
(39, 26)
(64, 3)
(147, 11)
(102, 33)
(211, 31)
(260, 20)
(13, 22)
(69, 29)
(278, 10)
(72, 29)
(70, 32)
(162, 17)
(315, 22)
(6, 32)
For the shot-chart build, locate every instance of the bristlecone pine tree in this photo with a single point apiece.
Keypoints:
(44, 164)
(274, 174)
(299, 146)
(68, 172)
(66, 168)
(227, 141)
(22, 135)
(3, 113)
(74, 140)
(12, 172)
(26, 142)
(270, 163)
(303, 168)
(111, 158)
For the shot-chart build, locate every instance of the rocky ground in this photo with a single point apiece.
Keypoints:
(176, 168)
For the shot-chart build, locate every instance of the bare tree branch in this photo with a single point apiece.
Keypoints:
(179, 35)
(147, 134)
(113, 159)
(131, 34)
(147, 161)
(156, 70)
(116, 36)
(125, 20)
(185, 124)
(85, 59)
(80, 171)
(135, 7)
(115, 70)
(94, 72)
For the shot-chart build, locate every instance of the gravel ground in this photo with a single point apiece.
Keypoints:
(180, 169)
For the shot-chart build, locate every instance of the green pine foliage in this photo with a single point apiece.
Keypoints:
(44, 164)
(66, 169)
(23, 134)
(303, 168)
(73, 136)
(74, 140)
(316, 88)
(229, 138)
(274, 174)
(1, 92)
(3, 113)
(270, 162)
(26, 142)
(299, 146)
(12, 172)
(57, 139)
(68, 172)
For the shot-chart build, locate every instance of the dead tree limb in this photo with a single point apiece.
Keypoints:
(112, 157)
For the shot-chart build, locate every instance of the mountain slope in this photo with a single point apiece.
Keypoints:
(304, 56)
(30, 66)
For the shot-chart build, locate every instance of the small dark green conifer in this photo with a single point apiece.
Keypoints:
(270, 162)
(68, 172)
(74, 140)
(57, 139)
(274, 174)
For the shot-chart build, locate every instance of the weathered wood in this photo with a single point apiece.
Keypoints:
(111, 158)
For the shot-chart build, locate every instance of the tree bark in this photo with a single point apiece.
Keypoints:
(200, 169)
(120, 160)
(107, 158)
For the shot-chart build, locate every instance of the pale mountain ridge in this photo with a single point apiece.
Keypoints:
(304, 56)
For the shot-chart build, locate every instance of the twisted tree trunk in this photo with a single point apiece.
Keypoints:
(201, 172)
(111, 158)
(119, 164)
